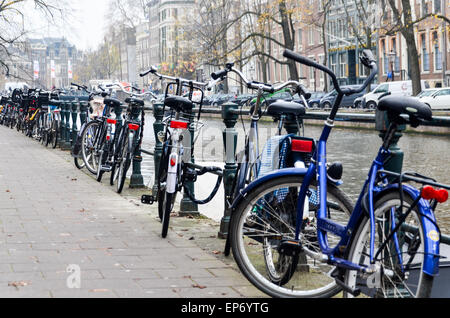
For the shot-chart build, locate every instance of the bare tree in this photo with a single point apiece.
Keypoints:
(405, 22)
(14, 17)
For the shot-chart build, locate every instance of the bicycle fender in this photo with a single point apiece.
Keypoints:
(288, 172)
(131, 142)
(432, 234)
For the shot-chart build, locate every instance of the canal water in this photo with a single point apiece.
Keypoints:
(356, 149)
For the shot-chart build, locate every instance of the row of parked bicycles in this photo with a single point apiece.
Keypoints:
(293, 231)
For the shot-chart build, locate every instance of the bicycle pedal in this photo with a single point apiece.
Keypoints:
(336, 276)
(290, 248)
(148, 199)
(106, 168)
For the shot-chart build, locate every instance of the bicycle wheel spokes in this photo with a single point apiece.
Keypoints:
(400, 261)
(260, 231)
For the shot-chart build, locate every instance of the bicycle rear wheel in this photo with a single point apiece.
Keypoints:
(401, 263)
(265, 219)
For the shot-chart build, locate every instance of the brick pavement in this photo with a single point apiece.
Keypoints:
(53, 215)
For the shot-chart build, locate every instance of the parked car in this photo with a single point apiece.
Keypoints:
(313, 102)
(439, 100)
(427, 92)
(328, 100)
(242, 99)
(402, 88)
(221, 99)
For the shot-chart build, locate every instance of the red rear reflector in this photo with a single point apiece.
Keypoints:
(133, 127)
(111, 121)
(442, 196)
(429, 193)
(305, 146)
(108, 138)
(173, 162)
(179, 125)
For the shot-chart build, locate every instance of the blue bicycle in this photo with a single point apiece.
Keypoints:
(388, 246)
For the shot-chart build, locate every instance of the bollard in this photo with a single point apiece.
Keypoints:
(75, 107)
(187, 207)
(137, 180)
(382, 125)
(158, 127)
(66, 144)
(63, 125)
(230, 138)
(291, 125)
(84, 106)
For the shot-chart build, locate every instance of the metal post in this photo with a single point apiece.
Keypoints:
(187, 207)
(63, 125)
(158, 127)
(75, 107)
(137, 180)
(382, 125)
(230, 138)
(83, 112)
(67, 133)
(291, 125)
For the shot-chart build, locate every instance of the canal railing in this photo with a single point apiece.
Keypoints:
(75, 112)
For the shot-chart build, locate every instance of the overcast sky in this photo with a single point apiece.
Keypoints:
(84, 27)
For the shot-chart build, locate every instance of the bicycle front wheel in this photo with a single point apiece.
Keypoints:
(401, 261)
(124, 165)
(88, 149)
(265, 219)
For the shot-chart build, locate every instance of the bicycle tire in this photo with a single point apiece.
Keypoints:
(102, 161)
(77, 164)
(55, 134)
(384, 205)
(88, 136)
(169, 197)
(314, 283)
(162, 177)
(124, 165)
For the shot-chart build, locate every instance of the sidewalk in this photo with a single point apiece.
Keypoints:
(53, 215)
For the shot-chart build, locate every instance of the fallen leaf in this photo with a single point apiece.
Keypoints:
(198, 286)
(217, 252)
(19, 284)
(99, 290)
(7, 191)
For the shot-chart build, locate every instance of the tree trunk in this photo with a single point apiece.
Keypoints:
(413, 56)
(289, 40)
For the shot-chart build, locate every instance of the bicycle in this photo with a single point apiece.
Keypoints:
(389, 246)
(95, 132)
(294, 151)
(176, 169)
(123, 150)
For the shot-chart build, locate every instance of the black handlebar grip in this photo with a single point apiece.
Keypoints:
(220, 74)
(300, 59)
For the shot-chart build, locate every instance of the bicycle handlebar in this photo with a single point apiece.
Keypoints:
(257, 85)
(209, 85)
(123, 89)
(367, 60)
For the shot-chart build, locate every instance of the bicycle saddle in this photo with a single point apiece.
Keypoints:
(135, 101)
(286, 108)
(179, 104)
(401, 105)
(112, 102)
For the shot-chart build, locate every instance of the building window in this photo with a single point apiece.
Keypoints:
(300, 39)
(342, 65)
(311, 36)
(425, 55)
(333, 59)
(437, 54)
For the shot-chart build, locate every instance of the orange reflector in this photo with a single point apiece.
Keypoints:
(133, 127)
(179, 125)
(305, 146)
